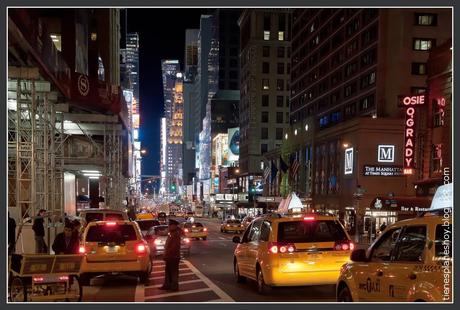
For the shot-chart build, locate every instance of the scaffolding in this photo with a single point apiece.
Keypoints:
(115, 183)
(35, 174)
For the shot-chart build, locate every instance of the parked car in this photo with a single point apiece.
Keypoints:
(156, 239)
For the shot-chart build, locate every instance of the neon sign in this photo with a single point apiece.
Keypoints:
(410, 102)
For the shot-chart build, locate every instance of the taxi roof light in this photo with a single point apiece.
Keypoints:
(309, 218)
(111, 223)
(82, 250)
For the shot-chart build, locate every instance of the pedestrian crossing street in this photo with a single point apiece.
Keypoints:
(193, 286)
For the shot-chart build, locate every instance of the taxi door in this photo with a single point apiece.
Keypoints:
(407, 263)
(253, 247)
(370, 276)
(241, 253)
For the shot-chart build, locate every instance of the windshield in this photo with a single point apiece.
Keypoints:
(233, 221)
(116, 233)
(310, 231)
(147, 224)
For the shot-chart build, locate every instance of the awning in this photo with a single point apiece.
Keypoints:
(401, 203)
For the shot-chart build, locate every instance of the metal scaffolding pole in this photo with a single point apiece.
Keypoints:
(113, 164)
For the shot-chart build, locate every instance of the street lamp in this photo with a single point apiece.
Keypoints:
(143, 151)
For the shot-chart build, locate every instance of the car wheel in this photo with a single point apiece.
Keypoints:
(236, 272)
(344, 295)
(262, 288)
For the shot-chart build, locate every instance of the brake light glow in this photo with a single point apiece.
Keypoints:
(187, 240)
(275, 247)
(186, 230)
(309, 218)
(157, 241)
(344, 246)
(38, 279)
(111, 223)
(82, 250)
(205, 229)
(141, 249)
(63, 278)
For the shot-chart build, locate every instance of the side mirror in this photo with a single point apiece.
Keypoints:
(358, 255)
(236, 239)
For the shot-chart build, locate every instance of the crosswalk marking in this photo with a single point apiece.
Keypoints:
(181, 274)
(179, 293)
(180, 282)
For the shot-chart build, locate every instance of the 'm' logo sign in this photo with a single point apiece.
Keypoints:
(348, 161)
(386, 153)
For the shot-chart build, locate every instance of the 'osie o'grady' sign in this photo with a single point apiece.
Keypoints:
(383, 171)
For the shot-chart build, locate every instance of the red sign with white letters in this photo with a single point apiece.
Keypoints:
(410, 103)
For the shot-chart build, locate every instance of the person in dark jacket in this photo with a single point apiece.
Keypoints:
(11, 235)
(39, 231)
(66, 242)
(172, 257)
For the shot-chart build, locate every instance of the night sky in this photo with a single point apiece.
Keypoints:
(161, 36)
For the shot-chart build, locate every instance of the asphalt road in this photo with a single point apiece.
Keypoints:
(205, 276)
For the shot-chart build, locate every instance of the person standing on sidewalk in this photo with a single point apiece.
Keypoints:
(39, 230)
(11, 235)
(172, 257)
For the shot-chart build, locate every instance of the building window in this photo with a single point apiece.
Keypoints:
(280, 69)
(264, 133)
(324, 121)
(424, 44)
(417, 90)
(351, 68)
(287, 102)
(280, 35)
(350, 110)
(368, 58)
(266, 51)
(263, 148)
(366, 103)
(425, 19)
(279, 117)
(265, 100)
(287, 117)
(367, 80)
(279, 101)
(279, 133)
(280, 52)
(265, 67)
(266, 35)
(336, 117)
(418, 68)
(264, 117)
(350, 90)
(265, 84)
(279, 84)
(436, 158)
(267, 22)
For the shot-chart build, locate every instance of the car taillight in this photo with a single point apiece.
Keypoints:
(344, 245)
(157, 241)
(82, 250)
(205, 229)
(64, 278)
(228, 225)
(187, 240)
(38, 279)
(185, 230)
(141, 249)
(275, 248)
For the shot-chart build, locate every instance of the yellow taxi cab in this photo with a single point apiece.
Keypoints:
(291, 250)
(195, 230)
(114, 247)
(145, 216)
(411, 261)
(231, 225)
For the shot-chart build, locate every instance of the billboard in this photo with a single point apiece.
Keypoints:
(233, 145)
(220, 146)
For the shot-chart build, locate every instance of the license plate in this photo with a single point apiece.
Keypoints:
(111, 249)
(195, 230)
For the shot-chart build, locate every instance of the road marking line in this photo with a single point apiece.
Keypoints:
(162, 277)
(222, 238)
(139, 295)
(181, 282)
(224, 296)
(179, 293)
(162, 271)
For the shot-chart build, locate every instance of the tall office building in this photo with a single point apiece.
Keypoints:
(169, 169)
(351, 70)
(190, 71)
(132, 62)
(265, 71)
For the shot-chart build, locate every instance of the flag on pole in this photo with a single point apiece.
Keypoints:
(274, 172)
(295, 167)
(283, 165)
(266, 172)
